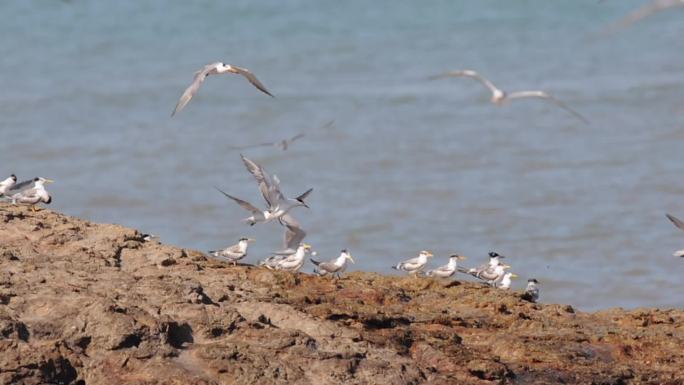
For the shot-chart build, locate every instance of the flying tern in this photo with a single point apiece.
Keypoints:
(215, 69)
(500, 97)
(680, 225)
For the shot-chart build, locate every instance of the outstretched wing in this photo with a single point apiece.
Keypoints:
(244, 204)
(468, 74)
(294, 235)
(193, 87)
(252, 79)
(265, 182)
(676, 221)
(544, 95)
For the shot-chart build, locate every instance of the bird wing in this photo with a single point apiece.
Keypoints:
(244, 204)
(642, 13)
(304, 195)
(264, 181)
(544, 95)
(24, 185)
(252, 79)
(293, 232)
(246, 146)
(676, 221)
(468, 74)
(330, 266)
(193, 87)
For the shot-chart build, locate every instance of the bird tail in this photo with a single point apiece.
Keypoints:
(397, 267)
(315, 262)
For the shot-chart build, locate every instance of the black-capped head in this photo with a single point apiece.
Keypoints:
(36, 179)
(533, 280)
(14, 177)
(243, 239)
(493, 254)
(344, 251)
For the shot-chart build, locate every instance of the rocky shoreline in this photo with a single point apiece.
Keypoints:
(85, 303)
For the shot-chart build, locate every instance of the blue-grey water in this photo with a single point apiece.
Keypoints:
(410, 164)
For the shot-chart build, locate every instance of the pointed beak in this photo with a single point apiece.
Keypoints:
(251, 240)
(462, 258)
(351, 259)
(506, 266)
(514, 275)
(429, 254)
(307, 246)
(49, 181)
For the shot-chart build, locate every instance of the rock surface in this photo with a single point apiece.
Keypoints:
(85, 303)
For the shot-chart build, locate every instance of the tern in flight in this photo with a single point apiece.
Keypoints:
(643, 12)
(283, 144)
(500, 97)
(680, 225)
(215, 69)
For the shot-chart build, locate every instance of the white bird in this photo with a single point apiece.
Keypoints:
(334, 267)
(499, 97)
(680, 225)
(532, 291)
(7, 184)
(292, 262)
(447, 270)
(494, 261)
(30, 192)
(233, 253)
(643, 12)
(505, 282)
(215, 69)
(294, 235)
(414, 265)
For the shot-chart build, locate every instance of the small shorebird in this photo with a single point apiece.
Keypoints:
(292, 262)
(532, 291)
(505, 282)
(283, 144)
(500, 97)
(642, 13)
(215, 69)
(494, 261)
(30, 192)
(447, 270)
(233, 253)
(7, 184)
(334, 267)
(680, 225)
(414, 265)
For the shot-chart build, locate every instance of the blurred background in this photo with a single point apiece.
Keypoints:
(410, 164)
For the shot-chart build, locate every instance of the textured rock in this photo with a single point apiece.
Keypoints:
(84, 303)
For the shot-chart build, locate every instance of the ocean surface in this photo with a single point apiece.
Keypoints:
(410, 163)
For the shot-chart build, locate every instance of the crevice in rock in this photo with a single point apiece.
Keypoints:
(178, 335)
(130, 341)
(59, 371)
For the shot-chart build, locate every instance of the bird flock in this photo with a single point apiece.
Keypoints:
(278, 206)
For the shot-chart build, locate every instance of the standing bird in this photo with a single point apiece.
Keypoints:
(447, 270)
(532, 291)
(289, 262)
(680, 225)
(334, 267)
(7, 184)
(494, 261)
(505, 282)
(233, 253)
(414, 265)
(499, 97)
(215, 69)
(30, 192)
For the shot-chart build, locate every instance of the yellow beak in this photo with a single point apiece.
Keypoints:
(514, 275)
(49, 181)
(351, 259)
(461, 257)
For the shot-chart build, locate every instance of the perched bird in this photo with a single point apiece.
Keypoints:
(334, 267)
(680, 225)
(643, 12)
(447, 270)
(494, 261)
(282, 144)
(30, 192)
(233, 253)
(291, 262)
(499, 97)
(149, 237)
(7, 184)
(215, 69)
(532, 291)
(414, 265)
(505, 282)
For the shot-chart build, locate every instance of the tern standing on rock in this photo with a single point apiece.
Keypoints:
(532, 291)
(414, 265)
(334, 267)
(7, 184)
(292, 262)
(500, 97)
(505, 282)
(447, 270)
(215, 69)
(30, 192)
(233, 253)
